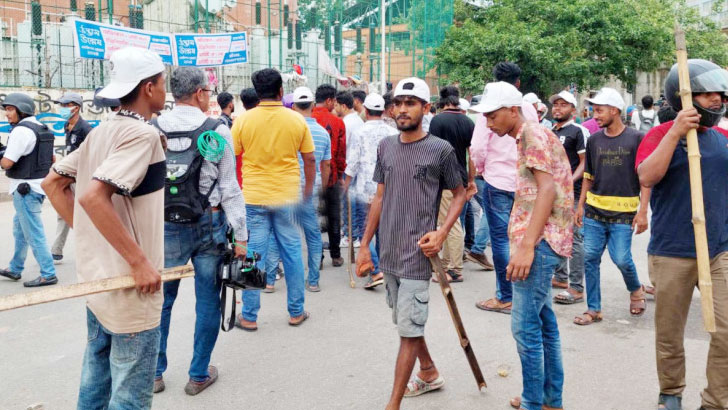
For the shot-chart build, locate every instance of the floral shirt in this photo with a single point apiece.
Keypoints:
(539, 148)
(362, 157)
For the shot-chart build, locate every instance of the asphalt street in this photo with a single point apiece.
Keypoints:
(343, 356)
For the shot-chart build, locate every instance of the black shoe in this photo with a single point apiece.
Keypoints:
(41, 281)
(9, 274)
(57, 259)
(337, 261)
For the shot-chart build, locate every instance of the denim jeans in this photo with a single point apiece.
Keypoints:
(28, 230)
(572, 270)
(264, 223)
(536, 331)
(203, 242)
(467, 220)
(617, 238)
(358, 217)
(482, 235)
(498, 205)
(118, 369)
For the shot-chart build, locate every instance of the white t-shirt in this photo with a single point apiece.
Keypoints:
(352, 122)
(21, 142)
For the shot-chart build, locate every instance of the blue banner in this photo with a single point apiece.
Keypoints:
(99, 41)
(210, 50)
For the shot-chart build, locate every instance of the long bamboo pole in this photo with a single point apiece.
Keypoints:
(696, 188)
(56, 293)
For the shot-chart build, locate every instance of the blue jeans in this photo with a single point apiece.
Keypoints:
(264, 223)
(467, 220)
(482, 235)
(118, 369)
(536, 331)
(572, 270)
(204, 243)
(28, 230)
(498, 205)
(617, 238)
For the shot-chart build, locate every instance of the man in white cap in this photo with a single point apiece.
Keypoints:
(540, 231)
(360, 163)
(118, 218)
(570, 276)
(612, 205)
(417, 166)
(76, 131)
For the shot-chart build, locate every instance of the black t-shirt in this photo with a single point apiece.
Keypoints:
(615, 193)
(457, 129)
(572, 138)
(77, 135)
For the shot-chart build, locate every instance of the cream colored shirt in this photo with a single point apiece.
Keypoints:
(126, 153)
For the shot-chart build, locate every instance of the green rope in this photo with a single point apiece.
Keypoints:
(212, 146)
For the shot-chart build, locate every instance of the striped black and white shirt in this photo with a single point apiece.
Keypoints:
(414, 175)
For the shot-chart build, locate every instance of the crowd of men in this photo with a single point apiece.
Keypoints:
(142, 192)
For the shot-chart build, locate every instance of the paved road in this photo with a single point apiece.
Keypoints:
(343, 357)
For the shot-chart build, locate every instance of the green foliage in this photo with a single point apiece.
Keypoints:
(581, 42)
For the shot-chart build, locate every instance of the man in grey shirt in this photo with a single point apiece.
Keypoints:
(412, 170)
(202, 240)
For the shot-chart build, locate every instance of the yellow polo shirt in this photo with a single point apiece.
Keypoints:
(270, 137)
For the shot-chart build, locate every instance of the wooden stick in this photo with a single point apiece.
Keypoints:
(352, 283)
(696, 188)
(56, 293)
(455, 315)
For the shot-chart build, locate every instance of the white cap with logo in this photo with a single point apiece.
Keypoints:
(129, 66)
(374, 102)
(608, 96)
(564, 95)
(414, 87)
(498, 95)
(302, 95)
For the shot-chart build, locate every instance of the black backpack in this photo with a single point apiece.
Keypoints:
(183, 202)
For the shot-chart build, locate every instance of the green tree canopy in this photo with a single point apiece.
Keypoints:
(583, 42)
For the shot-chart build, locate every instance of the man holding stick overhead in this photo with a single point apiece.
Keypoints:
(662, 163)
(118, 217)
(417, 166)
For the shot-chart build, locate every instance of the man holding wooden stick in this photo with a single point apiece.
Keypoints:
(662, 163)
(118, 217)
(417, 166)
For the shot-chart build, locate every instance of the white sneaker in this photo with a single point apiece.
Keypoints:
(344, 242)
(357, 243)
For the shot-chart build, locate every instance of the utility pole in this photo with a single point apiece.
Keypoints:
(382, 16)
(270, 34)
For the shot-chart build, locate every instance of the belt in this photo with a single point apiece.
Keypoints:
(480, 177)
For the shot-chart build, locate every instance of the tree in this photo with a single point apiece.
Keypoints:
(582, 42)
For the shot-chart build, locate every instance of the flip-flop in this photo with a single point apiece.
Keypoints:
(305, 315)
(502, 308)
(417, 386)
(568, 298)
(373, 283)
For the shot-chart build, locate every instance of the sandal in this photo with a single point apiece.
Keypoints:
(569, 297)
(495, 305)
(452, 277)
(296, 321)
(589, 317)
(637, 304)
(373, 283)
(650, 290)
(559, 285)
(239, 324)
(417, 386)
(668, 402)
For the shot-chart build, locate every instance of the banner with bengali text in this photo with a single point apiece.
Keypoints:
(98, 40)
(209, 50)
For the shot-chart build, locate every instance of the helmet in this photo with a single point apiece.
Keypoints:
(21, 102)
(705, 76)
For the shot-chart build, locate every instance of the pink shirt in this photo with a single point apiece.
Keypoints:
(495, 157)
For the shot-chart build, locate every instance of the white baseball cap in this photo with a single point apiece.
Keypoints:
(303, 95)
(531, 98)
(608, 96)
(498, 95)
(413, 86)
(129, 66)
(464, 104)
(374, 102)
(564, 95)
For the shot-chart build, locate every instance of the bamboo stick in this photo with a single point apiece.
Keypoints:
(696, 189)
(56, 293)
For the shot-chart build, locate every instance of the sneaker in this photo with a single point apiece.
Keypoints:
(193, 388)
(10, 274)
(337, 261)
(57, 259)
(480, 259)
(159, 385)
(357, 243)
(40, 281)
(344, 243)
